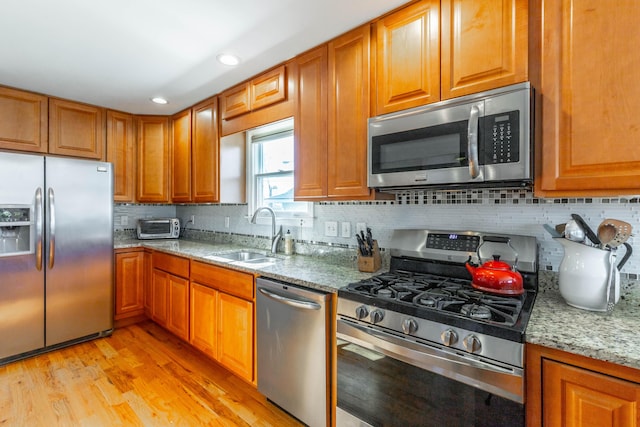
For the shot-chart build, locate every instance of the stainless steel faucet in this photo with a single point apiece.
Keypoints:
(275, 238)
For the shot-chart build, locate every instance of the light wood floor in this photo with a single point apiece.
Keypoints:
(140, 376)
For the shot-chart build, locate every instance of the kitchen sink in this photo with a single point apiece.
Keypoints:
(242, 256)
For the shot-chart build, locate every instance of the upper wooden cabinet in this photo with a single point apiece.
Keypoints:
(181, 157)
(121, 152)
(23, 121)
(153, 159)
(76, 130)
(483, 45)
(348, 111)
(266, 89)
(310, 130)
(407, 58)
(434, 50)
(590, 98)
(205, 149)
(570, 390)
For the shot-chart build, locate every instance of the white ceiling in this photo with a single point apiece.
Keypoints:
(120, 53)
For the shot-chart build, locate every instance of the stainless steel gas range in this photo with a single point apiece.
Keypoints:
(419, 345)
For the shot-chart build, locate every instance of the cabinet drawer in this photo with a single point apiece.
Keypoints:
(226, 280)
(171, 264)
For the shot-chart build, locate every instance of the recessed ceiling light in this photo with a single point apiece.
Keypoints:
(159, 100)
(228, 59)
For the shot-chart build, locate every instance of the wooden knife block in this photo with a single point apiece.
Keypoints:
(370, 264)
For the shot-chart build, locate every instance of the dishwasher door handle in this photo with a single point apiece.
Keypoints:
(307, 305)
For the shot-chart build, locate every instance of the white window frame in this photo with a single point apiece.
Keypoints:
(298, 219)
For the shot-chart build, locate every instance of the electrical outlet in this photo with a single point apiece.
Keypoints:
(226, 222)
(124, 220)
(345, 229)
(361, 226)
(193, 220)
(331, 228)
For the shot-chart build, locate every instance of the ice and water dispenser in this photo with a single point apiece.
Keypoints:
(15, 230)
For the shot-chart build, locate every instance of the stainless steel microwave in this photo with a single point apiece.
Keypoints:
(483, 139)
(158, 228)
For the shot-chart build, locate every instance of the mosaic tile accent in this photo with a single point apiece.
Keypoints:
(515, 211)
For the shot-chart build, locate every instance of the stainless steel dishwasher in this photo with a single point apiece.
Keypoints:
(292, 349)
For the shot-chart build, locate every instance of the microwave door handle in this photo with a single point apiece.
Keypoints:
(472, 140)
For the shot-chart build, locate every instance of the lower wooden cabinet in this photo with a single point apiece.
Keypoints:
(222, 324)
(129, 286)
(564, 389)
(170, 293)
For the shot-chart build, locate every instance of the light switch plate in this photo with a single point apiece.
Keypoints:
(345, 229)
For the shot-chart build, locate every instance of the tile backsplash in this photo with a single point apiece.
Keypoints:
(514, 211)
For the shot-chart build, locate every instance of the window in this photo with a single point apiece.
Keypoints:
(270, 166)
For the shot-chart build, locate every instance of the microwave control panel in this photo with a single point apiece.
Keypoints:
(501, 138)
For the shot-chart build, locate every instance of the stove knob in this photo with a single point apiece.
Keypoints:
(449, 337)
(362, 312)
(472, 344)
(409, 326)
(377, 316)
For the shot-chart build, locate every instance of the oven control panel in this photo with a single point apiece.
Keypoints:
(453, 242)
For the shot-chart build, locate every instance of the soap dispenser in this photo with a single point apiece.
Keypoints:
(288, 243)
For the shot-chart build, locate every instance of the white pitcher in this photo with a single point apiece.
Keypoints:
(585, 276)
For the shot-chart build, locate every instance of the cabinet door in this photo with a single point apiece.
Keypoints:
(268, 88)
(178, 307)
(129, 284)
(153, 159)
(235, 101)
(121, 153)
(578, 397)
(76, 129)
(408, 58)
(23, 121)
(160, 296)
(310, 130)
(590, 99)
(203, 319)
(205, 144)
(348, 114)
(484, 45)
(235, 335)
(148, 283)
(181, 157)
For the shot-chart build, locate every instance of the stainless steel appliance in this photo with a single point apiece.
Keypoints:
(56, 252)
(292, 351)
(418, 345)
(476, 140)
(158, 228)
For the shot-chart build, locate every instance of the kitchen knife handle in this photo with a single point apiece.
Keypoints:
(472, 148)
(39, 224)
(52, 227)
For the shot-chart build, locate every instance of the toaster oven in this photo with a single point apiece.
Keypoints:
(158, 228)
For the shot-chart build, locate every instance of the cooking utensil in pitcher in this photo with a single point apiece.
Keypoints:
(614, 232)
(573, 231)
(588, 231)
(611, 281)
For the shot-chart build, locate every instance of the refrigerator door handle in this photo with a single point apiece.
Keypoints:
(52, 227)
(39, 233)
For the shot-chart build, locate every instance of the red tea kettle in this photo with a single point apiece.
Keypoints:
(495, 276)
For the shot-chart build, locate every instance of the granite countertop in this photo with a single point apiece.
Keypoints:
(308, 271)
(610, 337)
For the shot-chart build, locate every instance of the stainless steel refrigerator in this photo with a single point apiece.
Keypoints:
(56, 252)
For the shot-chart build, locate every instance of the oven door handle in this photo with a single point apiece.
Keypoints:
(505, 381)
